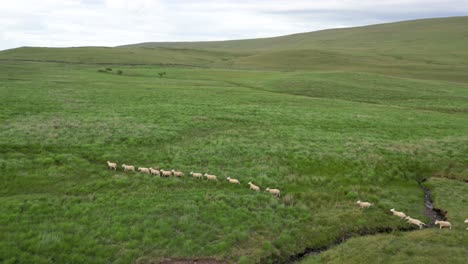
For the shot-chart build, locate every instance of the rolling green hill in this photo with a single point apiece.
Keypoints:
(328, 117)
(427, 48)
(437, 34)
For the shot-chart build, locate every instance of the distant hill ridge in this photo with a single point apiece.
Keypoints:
(427, 49)
(451, 31)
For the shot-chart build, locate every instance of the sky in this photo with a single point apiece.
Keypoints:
(66, 23)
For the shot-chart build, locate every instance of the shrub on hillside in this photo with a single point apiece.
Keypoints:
(119, 72)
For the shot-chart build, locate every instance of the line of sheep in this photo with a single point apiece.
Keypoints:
(275, 192)
(168, 173)
(409, 219)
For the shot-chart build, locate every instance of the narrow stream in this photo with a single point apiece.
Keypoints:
(429, 211)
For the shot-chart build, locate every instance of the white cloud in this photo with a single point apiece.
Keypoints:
(117, 22)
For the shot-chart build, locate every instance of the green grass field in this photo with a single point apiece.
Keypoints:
(326, 125)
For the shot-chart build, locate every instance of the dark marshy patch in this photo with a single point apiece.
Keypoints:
(169, 260)
(192, 261)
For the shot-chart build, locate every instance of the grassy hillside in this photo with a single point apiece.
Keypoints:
(426, 49)
(436, 33)
(327, 125)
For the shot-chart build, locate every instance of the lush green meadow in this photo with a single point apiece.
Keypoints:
(325, 137)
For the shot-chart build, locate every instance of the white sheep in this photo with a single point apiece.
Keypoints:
(177, 173)
(253, 187)
(275, 192)
(144, 170)
(211, 177)
(466, 222)
(128, 167)
(165, 173)
(364, 204)
(399, 214)
(112, 165)
(415, 222)
(196, 175)
(154, 171)
(235, 181)
(443, 224)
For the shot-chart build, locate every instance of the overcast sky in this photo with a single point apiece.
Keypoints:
(61, 23)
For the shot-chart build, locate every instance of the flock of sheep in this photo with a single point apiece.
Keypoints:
(409, 219)
(168, 173)
(275, 192)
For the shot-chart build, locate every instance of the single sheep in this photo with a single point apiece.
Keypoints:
(415, 222)
(144, 170)
(235, 181)
(211, 177)
(128, 167)
(165, 173)
(466, 222)
(443, 224)
(399, 214)
(196, 175)
(275, 192)
(253, 187)
(154, 171)
(112, 165)
(364, 204)
(177, 173)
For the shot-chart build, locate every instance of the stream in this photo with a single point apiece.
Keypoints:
(429, 211)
